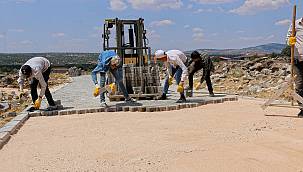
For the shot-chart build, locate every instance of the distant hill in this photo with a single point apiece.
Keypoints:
(260, 49)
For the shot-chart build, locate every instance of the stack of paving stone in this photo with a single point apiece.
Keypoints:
(139, 80)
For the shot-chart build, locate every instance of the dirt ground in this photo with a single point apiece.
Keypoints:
(233, 136)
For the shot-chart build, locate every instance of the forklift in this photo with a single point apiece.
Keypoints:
(140, 73)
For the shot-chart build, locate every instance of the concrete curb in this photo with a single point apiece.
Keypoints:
(16, 123)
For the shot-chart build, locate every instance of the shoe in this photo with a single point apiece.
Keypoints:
(189, 93)
(211, 95)
(51, 108)
(163, 97)
(32, 109)
(181, 100)
(130, 100)
(300, 114)
(103, 104)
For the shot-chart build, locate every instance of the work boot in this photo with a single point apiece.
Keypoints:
(163, 97)
(300, 114)
(32, 109)
(103, 104)
(130, 100)
(211, 95)
(182, 99)
(51, 108)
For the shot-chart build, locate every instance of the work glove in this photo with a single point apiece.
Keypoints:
(198, 86)
(96, 90)
(170, 80)
(292, 40)
(180, 88)
(37, 103)
(113, 88)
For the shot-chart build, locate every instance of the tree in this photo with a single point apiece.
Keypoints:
(286, 51)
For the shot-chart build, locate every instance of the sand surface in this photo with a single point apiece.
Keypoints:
(233, 136)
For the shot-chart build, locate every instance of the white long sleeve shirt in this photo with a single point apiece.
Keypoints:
(38, 65)
(177, 58)
(299, 37)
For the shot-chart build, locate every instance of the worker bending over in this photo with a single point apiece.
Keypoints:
(37, 70)
(108, 61)
(175, 61)
(200, 61)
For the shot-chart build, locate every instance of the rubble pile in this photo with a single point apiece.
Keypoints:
(74, 71)
(258, 78)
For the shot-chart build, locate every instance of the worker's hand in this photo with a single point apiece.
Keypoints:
(170, 80)
(180, 88)
(37, 103)
(113, 88)
(292, 40)
(96, 90)
(198, 86)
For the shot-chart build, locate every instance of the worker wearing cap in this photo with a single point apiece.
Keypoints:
(175, 61)
(37, 69)
(109, 61)
(200, 61)
(297, 41)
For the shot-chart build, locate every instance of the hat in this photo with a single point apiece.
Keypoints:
(159, 54)
(115, 60)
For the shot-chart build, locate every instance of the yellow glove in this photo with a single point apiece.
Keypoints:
(198, 86)
(170, 80)
(37, 103)
(113, 88)
(180, 88)
(292, 40)
(97, 90)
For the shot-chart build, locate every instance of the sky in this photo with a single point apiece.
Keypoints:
(76, 25)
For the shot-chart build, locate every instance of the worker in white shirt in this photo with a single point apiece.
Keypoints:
(297, 41)
(175, 61)
(37, 70)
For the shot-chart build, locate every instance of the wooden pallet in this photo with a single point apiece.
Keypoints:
(135, 96)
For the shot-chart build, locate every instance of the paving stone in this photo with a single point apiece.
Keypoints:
(11, 127)
(21, 117)
(72, 112)
(161, 108)
(125, 109)
(101, 109)
(111, 109)
(35, 114)
(142, 109)
(133, 109)
(4, 136)
(151, 109)
(119, 108)
(63, 112)
(81, 111)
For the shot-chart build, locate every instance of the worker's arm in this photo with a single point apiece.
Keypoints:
(184, 69)
(203, 75)
(42, 83)
(94, 74)
(21, 80)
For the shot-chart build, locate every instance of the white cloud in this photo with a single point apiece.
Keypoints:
(186, 26)
(117, 5)
(58, 34)
(258, 38)
(285, 22)
(198, 35)
(16, 30)
(161, 23)
(203, 10)
(251, 7)
(26, 42)
(213, 1)
(153, 35)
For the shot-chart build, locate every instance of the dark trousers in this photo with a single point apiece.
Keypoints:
(34, 85)
(205, 76)
(298, 68)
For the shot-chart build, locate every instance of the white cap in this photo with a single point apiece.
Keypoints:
(159, 54)
(115, 60)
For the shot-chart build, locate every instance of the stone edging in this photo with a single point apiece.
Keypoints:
(16, 123)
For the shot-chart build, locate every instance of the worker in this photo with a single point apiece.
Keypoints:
(175, 61)
(109, 61)
(37, 70)
(297, 41)
(200, 61)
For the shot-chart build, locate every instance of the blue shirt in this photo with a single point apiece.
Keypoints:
(103, 64)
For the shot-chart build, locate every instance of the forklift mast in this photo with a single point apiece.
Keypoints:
(128, 39)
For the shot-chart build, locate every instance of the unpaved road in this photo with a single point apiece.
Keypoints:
(233, 136)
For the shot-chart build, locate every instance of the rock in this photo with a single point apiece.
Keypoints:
(266, 71)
